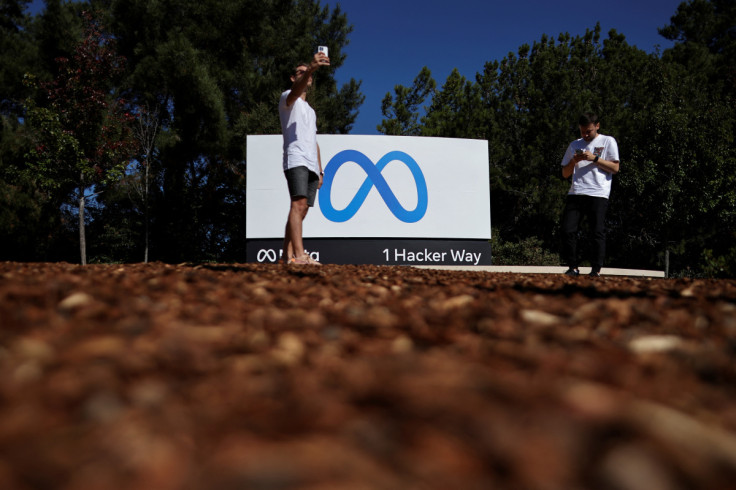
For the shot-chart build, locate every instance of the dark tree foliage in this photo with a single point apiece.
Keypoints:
(31, 224)
(17, 54)
(402, 111)
(705, 35)
(212, 71)
(83, 137)
(672, 116)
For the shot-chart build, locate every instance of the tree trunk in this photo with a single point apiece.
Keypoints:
(146, 212)
(82, 237)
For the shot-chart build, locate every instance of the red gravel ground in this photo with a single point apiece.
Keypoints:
(361, 377)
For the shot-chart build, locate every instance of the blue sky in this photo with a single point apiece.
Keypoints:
(393, 39)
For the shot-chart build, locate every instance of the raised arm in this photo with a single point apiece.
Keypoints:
(302, 79)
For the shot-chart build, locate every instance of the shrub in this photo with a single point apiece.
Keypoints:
(529, 251)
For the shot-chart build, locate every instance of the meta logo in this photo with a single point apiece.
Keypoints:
(373, 178)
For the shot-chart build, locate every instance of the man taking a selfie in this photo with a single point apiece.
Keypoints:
(302, 163)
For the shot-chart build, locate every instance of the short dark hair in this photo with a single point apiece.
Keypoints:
(587, 119)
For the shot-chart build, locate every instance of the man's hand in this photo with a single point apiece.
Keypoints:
(606, 166)
(319, 59)
(584, 156)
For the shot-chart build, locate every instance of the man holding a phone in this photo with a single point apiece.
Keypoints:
(302, 162)
(591, 161)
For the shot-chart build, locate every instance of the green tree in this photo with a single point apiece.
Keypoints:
(532, 100)
(22, 203)
(31, 227)
(146, 130)
(694, 202)
(527, 106)
(56, 32)
(401, 111)
(17, 54)
(455, 110)
(214, 70)
(17, 209)
(705, 35)
(83, 137)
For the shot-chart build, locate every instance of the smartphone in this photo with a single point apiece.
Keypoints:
(578, 151)
(323, 49)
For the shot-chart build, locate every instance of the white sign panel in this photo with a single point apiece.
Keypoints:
(377, 187)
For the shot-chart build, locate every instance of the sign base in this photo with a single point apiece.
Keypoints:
(378, 251)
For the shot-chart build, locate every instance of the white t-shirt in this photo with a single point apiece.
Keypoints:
(587, 178)
(299, 127)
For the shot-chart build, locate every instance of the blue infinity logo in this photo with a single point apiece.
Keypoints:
(374, 178)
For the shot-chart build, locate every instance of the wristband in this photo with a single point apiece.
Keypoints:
(595, 160)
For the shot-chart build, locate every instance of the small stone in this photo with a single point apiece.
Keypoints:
(34, 350)
(289, 349)
(655, 343)
(456, 302)
(76, 300)
(402, 344)
(540, 317)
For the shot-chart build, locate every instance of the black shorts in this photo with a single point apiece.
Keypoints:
(302, 182)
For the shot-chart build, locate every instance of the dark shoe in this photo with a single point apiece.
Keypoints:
(572, 272)
(594, 274)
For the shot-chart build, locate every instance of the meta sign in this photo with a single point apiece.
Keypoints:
(384, 200)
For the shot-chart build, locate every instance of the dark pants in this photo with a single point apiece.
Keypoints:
(594, 210)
